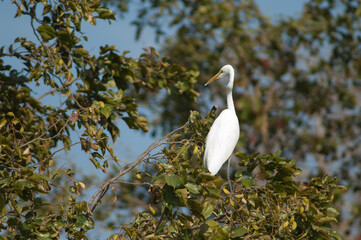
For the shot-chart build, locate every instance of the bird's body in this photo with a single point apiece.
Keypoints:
(224, 134)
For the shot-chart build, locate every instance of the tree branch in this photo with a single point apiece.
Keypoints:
(99, 194)
(265, 112)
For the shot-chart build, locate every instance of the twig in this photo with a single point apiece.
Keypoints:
(52, 155)
(160, 220)
(50, 55)
(57, 89)
(265, 112)
(99, 194)
(45, 139)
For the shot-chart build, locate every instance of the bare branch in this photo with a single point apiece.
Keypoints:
(58, 89)
(265, 123)
(99, 194)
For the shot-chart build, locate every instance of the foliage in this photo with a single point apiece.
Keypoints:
(196, 205)
(95, 91)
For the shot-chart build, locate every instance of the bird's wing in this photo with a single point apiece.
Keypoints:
(221, 140)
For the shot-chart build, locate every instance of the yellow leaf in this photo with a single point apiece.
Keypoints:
(307, 206)
(294, 225)
(60, 61)
(28, 159)
(232, 203)
(152, 209)
(101, 104)
(301, 210)
(285, 224)
(239, 195)
(82, 185)
(26, 151)
(195, 150)
(226, 191)
(138, 176)
(176, 136)
(69, 76)
(267, 209)
(255, 226)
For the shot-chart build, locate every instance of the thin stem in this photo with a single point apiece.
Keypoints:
(99, 194)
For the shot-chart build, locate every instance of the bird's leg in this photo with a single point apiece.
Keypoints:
(229, 175)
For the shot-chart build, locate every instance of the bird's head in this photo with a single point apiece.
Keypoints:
(225, 71)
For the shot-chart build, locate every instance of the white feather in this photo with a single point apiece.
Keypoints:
(221, 140)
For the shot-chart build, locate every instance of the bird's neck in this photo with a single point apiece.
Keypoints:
(229, 88)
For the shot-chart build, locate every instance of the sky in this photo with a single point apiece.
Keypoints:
(121, 33)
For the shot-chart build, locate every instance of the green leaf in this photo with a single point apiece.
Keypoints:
(222, 233)
(207, 210)
(327, 219)
(22, 183)
(80, 221)
(212, 224)
(242, 155)
(46, 32)
(196, 207)
(247, 182)
(276, 154)
(169, 197)
(172, 180)
(5, 182)
(43, 236)
(142, 122)
(2, 122)
(107, 110)
(336, 235)
(105, 13)
(182, 195)
(193, 188)
(2, 204)
(66, 38)
(238, 232)
(81, 51)
(213, 191)
(332, 212)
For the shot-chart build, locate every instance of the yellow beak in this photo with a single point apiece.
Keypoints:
(213, 78)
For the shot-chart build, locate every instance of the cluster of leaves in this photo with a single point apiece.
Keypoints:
(195, 205)
(297, 78)
(94, 92)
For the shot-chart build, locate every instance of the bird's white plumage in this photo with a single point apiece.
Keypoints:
(224, 134)
(221, 140)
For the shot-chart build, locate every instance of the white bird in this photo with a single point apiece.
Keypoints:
(224, 134)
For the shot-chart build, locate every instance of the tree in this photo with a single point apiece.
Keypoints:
(39, 199)
(298, 79)
(96, 91)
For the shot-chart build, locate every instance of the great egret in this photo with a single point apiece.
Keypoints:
(224, 134)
